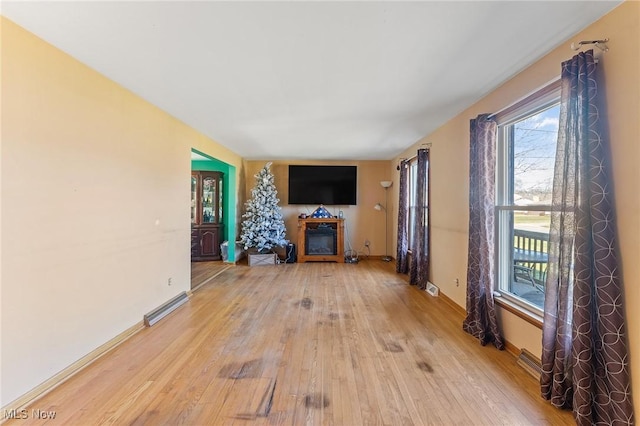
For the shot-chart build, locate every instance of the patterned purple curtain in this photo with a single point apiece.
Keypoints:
(481, 320)
(419, 270)
(402, 264)
(585, 360)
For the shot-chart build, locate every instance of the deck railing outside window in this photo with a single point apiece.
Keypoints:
(530, 250)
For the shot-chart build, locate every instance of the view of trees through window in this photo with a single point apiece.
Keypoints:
(534, 151)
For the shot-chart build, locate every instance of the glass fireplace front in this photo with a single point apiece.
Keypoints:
(321, 241)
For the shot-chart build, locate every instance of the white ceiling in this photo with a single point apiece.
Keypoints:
(302, 80)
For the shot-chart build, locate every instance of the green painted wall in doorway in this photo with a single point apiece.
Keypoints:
(229, 198)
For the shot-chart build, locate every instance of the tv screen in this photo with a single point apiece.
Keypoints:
(329, 185)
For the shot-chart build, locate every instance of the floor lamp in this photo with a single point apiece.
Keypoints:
(385, 184)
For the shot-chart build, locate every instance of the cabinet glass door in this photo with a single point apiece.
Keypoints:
(194, 199)
(209, 190)
(220, 201)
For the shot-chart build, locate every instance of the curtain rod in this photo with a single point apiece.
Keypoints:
(428, 145)
(600, 44)
(551, 86)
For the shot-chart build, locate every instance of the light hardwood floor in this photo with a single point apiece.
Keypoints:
(203, 272)
(313, 343)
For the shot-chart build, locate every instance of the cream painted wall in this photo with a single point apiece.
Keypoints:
(111, 171)
(95, 209)
(450, 169)
(362, 221)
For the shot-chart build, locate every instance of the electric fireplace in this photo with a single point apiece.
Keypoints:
(321, 241)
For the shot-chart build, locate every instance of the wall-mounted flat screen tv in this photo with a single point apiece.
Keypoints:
(329, 185)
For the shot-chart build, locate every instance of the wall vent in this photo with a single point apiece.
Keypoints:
(165, 309)
(530, 363)
(432, 289)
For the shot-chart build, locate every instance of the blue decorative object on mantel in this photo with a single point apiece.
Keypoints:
(321, 213)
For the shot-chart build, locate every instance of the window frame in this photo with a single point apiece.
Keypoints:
(412, 196)
(543, 99)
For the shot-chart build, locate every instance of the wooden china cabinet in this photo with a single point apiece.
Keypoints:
(206, 215)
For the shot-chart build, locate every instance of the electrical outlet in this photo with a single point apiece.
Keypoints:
(457, 281)
(169, 281)
(366, 243)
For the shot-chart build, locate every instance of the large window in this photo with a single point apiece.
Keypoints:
(413, 210)
(412, 185)
(527, 139)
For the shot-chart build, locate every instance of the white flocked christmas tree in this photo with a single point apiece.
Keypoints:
(263, 227)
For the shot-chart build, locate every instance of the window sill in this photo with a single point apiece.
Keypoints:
(519, 311)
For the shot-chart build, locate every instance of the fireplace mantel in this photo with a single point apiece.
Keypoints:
(314, 223)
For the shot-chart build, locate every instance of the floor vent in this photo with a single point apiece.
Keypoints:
(530, 363)
(432, 289)
(162, 311)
